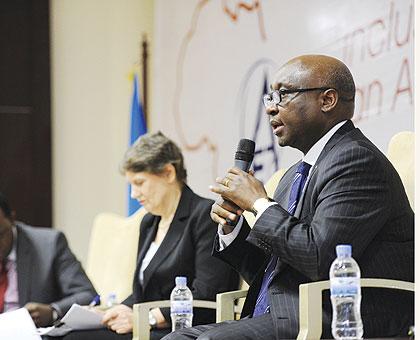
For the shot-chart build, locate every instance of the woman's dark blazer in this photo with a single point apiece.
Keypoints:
(185, 251)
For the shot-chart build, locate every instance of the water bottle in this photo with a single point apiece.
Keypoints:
(345, 295)
(181, 304)
(111, 300)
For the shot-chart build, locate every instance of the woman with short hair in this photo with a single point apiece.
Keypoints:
(176, 239)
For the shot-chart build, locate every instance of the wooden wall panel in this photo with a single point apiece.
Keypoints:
(25, 117)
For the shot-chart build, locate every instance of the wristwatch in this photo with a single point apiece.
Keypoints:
(152, 319)
(260, 203)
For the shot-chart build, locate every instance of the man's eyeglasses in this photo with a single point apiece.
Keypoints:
(274, 98)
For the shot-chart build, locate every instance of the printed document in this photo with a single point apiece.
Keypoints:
(77, 318)
(18, 325)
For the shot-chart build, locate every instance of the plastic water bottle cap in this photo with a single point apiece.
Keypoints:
(343, 250)
(181, 281)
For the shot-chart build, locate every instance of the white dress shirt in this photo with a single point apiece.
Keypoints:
(11, 296)
(147, 258)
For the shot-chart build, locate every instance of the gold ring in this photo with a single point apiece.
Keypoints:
(227, 182)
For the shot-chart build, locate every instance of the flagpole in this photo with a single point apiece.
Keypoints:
(144, 57)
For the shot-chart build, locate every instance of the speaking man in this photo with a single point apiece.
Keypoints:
(343, 191)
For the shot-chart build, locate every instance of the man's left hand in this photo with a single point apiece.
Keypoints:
(240, 187)
(40, 313)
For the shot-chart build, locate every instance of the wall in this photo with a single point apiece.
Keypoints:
(216, 58)
(211, 61)
(95, 45)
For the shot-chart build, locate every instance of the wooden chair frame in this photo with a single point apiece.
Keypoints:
(141, 328)
(310, 303)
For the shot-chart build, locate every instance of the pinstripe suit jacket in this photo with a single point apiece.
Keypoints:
(354, 196)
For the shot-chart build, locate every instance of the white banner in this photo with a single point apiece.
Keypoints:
(214, 59)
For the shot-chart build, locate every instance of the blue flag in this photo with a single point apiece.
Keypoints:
(137, 128)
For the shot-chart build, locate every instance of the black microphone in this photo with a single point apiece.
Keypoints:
(244, 154)
(243, 159)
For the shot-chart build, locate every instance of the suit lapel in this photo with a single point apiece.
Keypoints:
(24, 265)
(281, 196)
(335, 138)
(282, 193)
(146, 238)
(302, 197)
(172, 237)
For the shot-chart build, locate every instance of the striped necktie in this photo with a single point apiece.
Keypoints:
(298, 184)
(262, 306)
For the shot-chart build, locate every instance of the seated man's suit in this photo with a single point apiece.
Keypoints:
(355, 196)
(47, 270)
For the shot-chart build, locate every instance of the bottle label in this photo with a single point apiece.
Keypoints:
(344, 285)
(181, 307)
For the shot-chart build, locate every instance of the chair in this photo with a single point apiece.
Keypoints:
(141, 328)
(310, 303)
(229, 304)
(112, 239)
(401, 154)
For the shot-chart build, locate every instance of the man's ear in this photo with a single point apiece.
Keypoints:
(13, 216)
(329, 100)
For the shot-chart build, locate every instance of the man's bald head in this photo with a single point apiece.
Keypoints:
(311, 94)
(325, 71)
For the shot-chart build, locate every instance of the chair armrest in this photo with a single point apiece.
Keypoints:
(310, 303)
(310, 309)
(141, 328)
(226, 304)
(386, 283)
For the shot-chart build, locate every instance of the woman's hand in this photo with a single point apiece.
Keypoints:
(119, 319)
(160, 319)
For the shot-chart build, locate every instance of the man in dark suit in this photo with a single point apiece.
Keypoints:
(344, 191)
(38, 270)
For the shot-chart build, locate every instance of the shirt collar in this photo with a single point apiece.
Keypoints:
(12, 254)
(312, 155)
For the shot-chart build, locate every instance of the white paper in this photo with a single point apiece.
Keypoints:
(78, 318)
(18, 325)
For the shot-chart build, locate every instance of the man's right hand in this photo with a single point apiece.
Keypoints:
(223, 210)
(40, 313)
